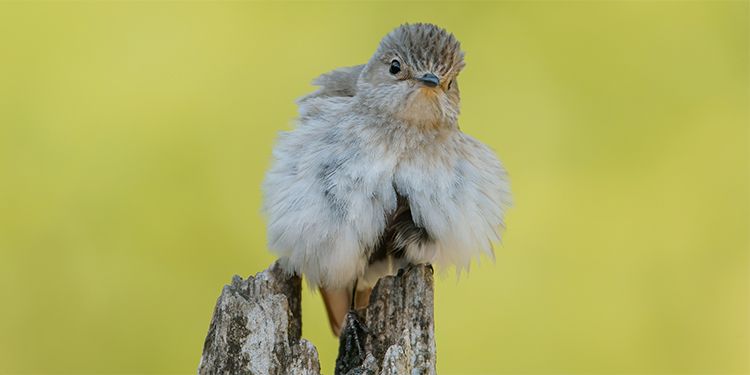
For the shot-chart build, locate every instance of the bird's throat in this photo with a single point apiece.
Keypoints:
(423, 110)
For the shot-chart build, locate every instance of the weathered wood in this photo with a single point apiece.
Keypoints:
(256, 329)
(257, 325)
(399, 321)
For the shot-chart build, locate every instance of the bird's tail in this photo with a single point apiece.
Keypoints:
(339, 301)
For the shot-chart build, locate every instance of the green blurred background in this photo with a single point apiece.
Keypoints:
(134, 137)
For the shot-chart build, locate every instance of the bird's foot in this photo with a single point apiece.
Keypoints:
(351, 343)
(409, 266)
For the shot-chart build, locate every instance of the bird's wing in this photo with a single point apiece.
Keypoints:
(339, 82)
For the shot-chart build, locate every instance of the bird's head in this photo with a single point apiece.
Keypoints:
(413, 76)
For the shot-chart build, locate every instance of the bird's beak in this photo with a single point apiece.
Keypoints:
(429, 79)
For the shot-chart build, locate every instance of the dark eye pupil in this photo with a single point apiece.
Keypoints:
(395, 67)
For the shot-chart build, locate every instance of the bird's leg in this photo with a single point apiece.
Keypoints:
(353, 304)
(352, 339)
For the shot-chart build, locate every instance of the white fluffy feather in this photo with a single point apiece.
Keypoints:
(335, 178)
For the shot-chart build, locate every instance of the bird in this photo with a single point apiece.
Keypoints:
(377, 175)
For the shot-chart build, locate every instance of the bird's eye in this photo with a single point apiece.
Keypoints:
(395, 67)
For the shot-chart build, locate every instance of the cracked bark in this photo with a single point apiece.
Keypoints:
(257, 324)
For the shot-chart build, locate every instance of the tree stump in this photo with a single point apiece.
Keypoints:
(257, 324)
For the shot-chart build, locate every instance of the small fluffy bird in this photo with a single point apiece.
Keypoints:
(377, 174)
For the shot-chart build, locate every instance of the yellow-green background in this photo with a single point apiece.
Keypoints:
(134, 137)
